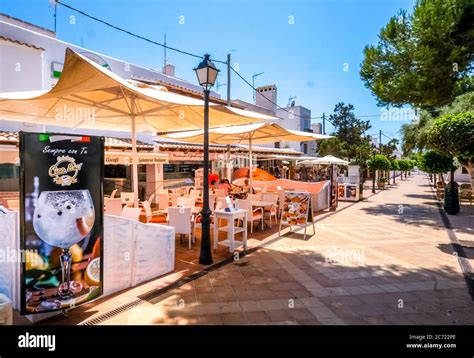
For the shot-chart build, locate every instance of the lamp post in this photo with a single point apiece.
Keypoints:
(206, 73)
(373, 167)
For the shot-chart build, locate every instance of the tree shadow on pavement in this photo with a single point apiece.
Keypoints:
(412, 215)
(467, 249)
(420, 196)
(322, 288)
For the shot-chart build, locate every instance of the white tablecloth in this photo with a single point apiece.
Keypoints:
(135, 252)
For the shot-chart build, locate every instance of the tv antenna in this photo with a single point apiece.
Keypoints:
(291, 101)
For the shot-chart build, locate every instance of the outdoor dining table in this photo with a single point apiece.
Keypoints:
(263, 205)
(237, 194)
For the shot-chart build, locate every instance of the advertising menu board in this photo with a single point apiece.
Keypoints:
(61, 210)
(348, 192)
(296, 209)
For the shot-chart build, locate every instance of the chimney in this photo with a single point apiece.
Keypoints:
(168, 70)
(317, 128)
(264, 94)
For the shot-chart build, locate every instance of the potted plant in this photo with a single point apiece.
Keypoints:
(381, 182)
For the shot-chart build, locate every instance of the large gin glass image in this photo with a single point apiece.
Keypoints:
(62, 219)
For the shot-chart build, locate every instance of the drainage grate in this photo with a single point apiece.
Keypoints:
(112, 313)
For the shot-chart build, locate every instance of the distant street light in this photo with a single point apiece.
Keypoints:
(374, 148)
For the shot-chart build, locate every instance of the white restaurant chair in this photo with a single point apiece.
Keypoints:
(271, 211)
(254, 197)
(212, 205)
(112, 195)
(253, 214)
(127, 198)
(182, 221)
(131, 213)
(281, 201)
(187, 202)
(113, 206)
(174, 199)
(163, 200)
(153, 216)
(195, 193)
(151, 198)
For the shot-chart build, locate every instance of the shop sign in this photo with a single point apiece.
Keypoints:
(126, 158)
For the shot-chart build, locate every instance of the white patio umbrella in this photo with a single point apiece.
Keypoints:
(329, 159)
(257, 133)
(90, 96)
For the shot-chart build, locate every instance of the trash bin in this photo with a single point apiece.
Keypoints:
(6, 311)
(451, 200)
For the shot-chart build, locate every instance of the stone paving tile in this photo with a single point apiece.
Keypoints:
(206, 298)
(300, 314)
(278, 315)
(211, 319)
(300, 293)
(257, 317)
(311, 302)
(229, 307)
(234, 318)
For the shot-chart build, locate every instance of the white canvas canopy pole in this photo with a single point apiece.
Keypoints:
(251, 165)
(134, 154)
(228, 166)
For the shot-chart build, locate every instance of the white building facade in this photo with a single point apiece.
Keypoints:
(292, 117)
(296, 118)
(32, 59)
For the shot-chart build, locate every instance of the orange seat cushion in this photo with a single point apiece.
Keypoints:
(158, 219)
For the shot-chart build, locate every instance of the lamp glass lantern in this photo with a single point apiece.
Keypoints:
(206, 73)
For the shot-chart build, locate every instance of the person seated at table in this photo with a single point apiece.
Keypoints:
(213, 186)
(213, 177)
(225, 185)
(246, 186)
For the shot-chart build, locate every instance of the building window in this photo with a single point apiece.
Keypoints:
(115, 171)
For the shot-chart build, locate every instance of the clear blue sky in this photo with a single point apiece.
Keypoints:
(304, 59)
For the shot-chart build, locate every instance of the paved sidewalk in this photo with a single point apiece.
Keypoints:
(386, 260)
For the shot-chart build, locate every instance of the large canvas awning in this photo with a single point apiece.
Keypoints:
(252, 134)
(90, 96)
(257, 133)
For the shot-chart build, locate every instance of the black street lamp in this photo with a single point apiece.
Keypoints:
(207, 74)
